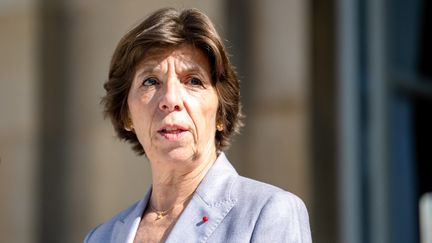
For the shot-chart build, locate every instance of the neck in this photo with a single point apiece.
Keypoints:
(171, 186)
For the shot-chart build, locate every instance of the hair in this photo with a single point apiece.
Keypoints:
(169, 28)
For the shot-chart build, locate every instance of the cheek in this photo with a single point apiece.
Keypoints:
(140, 114)
(210, 114)
(211, 117)
(140, 102)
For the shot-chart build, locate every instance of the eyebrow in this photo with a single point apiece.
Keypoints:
(149, 68)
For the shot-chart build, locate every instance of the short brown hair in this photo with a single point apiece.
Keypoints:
(166, 29)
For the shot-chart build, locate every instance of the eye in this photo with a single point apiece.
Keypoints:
(150, 82)
(196, 82)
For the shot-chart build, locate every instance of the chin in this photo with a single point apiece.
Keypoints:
(180, 155)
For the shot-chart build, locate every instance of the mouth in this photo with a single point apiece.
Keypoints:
(172, 133)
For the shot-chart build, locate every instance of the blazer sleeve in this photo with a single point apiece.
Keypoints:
(283, 218)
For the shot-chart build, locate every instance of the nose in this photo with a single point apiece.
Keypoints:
(171, 99)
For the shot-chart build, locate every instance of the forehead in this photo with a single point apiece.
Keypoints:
(185, 57)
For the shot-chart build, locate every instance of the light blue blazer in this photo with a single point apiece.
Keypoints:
(238, 210)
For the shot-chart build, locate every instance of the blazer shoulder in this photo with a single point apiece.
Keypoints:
(278, 215)
(284, 216)
(264, 197)
(267, 213)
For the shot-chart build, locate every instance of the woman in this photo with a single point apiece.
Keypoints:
(173, 94)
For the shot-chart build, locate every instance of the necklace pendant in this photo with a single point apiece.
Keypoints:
(159, 216)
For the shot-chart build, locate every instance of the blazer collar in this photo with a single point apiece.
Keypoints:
(212, 199)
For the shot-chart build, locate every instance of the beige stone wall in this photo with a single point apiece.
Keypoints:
(18, 109)
(273, 146)
(277, 126)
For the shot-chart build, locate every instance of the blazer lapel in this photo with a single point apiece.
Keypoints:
(212, 200)
(125, 228)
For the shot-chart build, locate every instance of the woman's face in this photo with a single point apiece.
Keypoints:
(173, 106)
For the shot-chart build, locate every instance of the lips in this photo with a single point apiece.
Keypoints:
(173, 132)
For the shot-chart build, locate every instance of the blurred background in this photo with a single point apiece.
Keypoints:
(337, 94)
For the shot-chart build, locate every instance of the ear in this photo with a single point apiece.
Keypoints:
(128, 124)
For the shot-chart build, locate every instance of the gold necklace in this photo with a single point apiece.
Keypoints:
(163, 213)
